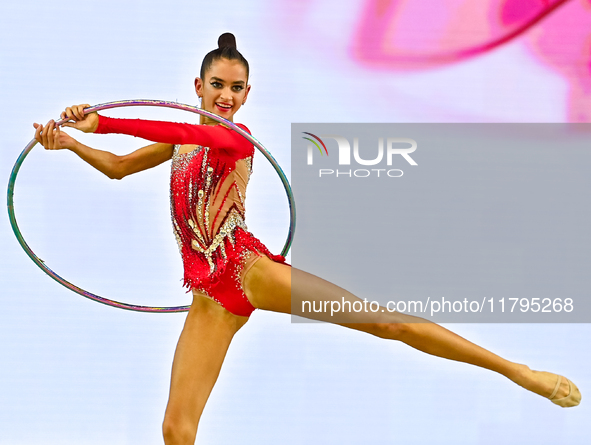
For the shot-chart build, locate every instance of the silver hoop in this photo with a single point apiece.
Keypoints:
(133, 103)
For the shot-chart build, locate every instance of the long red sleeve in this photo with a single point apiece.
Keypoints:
(214, 137)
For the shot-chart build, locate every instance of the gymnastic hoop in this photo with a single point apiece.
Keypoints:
(132, 103)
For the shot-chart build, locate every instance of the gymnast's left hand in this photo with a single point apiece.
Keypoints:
(52, 138)
(77, 119)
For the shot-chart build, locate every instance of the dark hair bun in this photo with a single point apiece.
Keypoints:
(226, 50)
(227, 39)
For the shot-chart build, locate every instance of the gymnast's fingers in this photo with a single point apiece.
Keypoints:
(38, 129)
(79, 111)
(69, 114)
(48, 135)
(56, 139)
(43, 135)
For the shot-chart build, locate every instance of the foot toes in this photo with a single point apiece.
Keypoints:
(573, 397)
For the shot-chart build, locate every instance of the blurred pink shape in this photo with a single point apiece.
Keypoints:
(563, 43)
(411, 34)
(422, 34)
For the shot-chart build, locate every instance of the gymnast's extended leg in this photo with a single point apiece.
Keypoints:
(202, 347)
(268, 285)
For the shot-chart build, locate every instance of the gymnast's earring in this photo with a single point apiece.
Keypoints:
(199, 100)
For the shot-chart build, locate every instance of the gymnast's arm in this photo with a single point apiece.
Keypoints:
(216, 137)
(114, 166)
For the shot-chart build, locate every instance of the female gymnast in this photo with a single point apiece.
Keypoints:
(231, 272)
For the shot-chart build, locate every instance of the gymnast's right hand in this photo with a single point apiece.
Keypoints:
(52, 138)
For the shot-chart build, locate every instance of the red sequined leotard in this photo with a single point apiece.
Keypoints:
(207, 191)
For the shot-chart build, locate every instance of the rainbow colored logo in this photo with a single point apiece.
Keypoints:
(315, 143)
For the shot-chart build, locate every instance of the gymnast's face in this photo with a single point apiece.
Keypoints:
(224, 89)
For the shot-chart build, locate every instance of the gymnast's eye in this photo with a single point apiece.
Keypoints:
(216, 84)
(237, 88)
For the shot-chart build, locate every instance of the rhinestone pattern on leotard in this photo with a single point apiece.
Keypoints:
(207, 190)
(208, 213)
